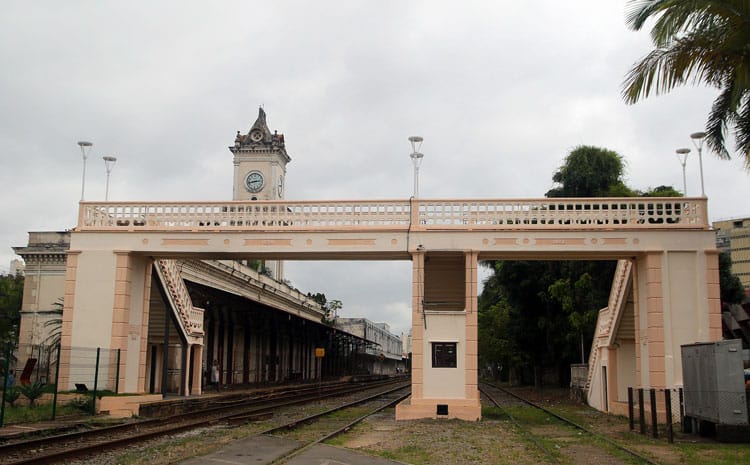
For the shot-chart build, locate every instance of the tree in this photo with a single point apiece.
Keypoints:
(732, 291)
(698, 41)
(330, 309)
(590, 172)
(661, 191)
(54, 325)
(11, 294)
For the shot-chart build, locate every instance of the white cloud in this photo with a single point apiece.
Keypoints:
(501, 91)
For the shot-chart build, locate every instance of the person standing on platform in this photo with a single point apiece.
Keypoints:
(215, 375)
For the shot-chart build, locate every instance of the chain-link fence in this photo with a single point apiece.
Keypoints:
(94, 369)
(30, 374)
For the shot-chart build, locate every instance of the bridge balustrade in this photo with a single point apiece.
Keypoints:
(579, 213)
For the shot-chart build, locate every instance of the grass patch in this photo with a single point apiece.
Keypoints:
(349, 413)
(43, 412)
(413, 454)
(494, 413)
(531, 416)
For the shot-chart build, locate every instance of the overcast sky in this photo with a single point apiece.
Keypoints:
(501, 91)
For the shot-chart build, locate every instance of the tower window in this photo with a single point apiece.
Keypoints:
(444, 355)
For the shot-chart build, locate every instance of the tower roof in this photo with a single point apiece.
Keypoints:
(259, 137)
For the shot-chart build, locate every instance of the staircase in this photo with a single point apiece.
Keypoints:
(609, 316)
(189, 318)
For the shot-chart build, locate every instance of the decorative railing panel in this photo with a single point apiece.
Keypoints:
(190, 317)
(417, 214)
(608, 315)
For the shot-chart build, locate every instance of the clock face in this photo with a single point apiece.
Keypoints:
(256, 135)
(254, 181)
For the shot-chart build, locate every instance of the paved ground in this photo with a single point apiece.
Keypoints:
(259, 450)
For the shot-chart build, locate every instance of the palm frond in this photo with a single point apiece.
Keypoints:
(742, 130)
(716, 126)
(698, 41)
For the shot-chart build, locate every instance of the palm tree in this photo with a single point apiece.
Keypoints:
(698, 41)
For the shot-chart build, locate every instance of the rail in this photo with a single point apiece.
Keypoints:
(399, 215)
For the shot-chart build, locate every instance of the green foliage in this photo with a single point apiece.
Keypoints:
(590, 172)
(81, 403)
(55, 324)
(661, 191)
(11, 395)
(533, 314)
(331, 308)
(11, 294)
(26, 414)
(700, 41)
(331, 312)
(32, 392)
(732, 290)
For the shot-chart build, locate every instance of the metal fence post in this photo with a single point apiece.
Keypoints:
(641, 411)
(630, 408)
(117, 374)
(683, 425)
(8, 354)
(57, 382)
(668, 409)
(96, 380)
(654, 419)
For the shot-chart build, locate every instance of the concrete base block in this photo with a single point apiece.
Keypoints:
(124, 406)
(462, 409)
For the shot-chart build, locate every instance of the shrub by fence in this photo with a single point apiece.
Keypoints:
(30, 368)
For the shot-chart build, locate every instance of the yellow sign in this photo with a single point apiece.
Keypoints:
(320, 352)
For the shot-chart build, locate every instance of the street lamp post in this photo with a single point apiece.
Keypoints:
(416, 158)
(85, 149)
(109, 162)
(698, 138)
(682, 155)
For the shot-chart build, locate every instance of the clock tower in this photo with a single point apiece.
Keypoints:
(260, 160)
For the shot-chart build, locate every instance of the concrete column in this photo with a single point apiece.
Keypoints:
(472, 333)
(714, 295)
(140, 344)
(404, 410)
(652, 339)
(187, 348)
(197, 369)
(417, 325)
(67, 320)
(444, 313)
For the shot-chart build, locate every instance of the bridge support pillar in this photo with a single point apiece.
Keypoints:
(444, 338)
(677, 302)
(105, 306)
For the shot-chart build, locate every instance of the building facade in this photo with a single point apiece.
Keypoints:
(383, 349)
(733, 237)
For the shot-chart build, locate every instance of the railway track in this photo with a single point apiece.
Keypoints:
(58, 448)
(315, 429)
(509, 402)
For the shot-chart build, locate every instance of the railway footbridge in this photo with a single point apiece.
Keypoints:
(667, 241)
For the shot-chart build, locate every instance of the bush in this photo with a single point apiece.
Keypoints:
(80, 403)
(11, 395)
(32, 392)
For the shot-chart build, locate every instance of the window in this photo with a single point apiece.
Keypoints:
(444, 355)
